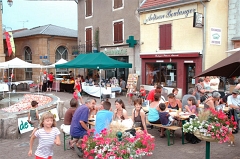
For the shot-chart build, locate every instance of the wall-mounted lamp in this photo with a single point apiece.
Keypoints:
(10, 2)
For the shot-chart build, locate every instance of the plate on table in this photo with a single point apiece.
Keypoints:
(184, 113)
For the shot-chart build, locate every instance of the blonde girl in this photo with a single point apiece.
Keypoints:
(48, 135)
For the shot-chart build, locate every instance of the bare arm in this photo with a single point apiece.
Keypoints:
(82, 123)
(28, 116)
(143, 118)
(57, 141)
(31, 145)
(37, 115)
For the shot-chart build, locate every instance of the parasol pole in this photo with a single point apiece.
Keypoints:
(100, 70)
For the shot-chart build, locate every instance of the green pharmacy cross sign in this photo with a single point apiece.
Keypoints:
(131, 42)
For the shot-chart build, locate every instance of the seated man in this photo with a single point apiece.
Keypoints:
(103, 118)
(233, 100)
(68, 116)
(79, 126)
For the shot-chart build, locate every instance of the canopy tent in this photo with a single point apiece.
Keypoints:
(228, 67)
(18, 63)
(61, 61)
(233, 50)
(94, 61)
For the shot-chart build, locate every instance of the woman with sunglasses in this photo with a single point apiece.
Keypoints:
(120, 112)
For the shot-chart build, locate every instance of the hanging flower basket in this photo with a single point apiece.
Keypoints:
(200, 136)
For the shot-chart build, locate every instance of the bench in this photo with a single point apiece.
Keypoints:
(168, 128)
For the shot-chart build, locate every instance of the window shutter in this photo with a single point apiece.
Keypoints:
(115, 32)
(162, 42)
(120, 4)
(115, 4)
(89, 40)
(88, 8)
(120, 32)
(168, 36)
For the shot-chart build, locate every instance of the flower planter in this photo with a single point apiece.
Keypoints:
(204, 138)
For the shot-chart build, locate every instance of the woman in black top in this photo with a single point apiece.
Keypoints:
(138, 115)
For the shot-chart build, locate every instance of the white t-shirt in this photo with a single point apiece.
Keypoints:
(215, 80)
(46, 142)
(234, 101)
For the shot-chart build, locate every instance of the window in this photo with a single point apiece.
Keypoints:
(165, 33)
(88, 8)
(61, 52)
(117, 4)
(161, 73)
(118, 32)
(28, 58)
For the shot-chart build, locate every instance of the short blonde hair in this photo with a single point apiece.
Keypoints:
(47, 115)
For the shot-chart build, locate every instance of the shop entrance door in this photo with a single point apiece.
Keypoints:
(190, 73)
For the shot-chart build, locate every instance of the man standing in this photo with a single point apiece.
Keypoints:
(191, 93)
(79, 126)
(151, 94)
(214, 83)
(122, 84)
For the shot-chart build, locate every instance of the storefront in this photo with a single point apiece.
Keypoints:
(171, 70)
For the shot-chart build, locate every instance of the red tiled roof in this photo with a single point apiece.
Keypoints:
(152, 4)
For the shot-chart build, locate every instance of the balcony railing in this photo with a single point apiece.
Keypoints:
(85, 49)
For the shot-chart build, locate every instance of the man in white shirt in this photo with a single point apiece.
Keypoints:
(233, 100)
(214, 83)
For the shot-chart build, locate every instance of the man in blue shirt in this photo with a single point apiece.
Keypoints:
(103, 118)
(79, 126)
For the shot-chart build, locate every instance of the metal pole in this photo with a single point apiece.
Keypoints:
(207, 150)
(100, 70)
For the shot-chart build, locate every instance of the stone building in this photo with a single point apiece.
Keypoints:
(173, 50)
(42, 45)
(105, 26)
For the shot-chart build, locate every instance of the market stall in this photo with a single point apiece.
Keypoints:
(95, 90)
(94, 61)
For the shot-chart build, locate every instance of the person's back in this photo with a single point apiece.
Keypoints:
(81, 114)
(103, 118)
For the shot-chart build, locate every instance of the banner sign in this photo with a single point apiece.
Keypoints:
(10, 43)
(24, 126)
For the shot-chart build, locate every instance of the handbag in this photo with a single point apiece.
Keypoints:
(131, 131)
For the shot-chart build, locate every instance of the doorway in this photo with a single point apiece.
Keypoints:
(190, 73)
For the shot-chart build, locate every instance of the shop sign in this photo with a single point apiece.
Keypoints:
(170, 55)
(24, 126)
(216, 36)
(116, 52)
(171, 14)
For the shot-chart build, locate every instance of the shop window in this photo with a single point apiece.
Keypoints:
(165, 33)
(117, 4)
(28, 58)
(61, 52)
(118, 32)
(161, 73)
(88, 8)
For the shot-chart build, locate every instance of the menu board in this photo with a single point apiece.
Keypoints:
(132, 80)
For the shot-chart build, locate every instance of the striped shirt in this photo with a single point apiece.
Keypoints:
(46, 142)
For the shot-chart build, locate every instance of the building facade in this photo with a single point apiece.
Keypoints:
(234, 25)
(105, 26)
(41, 45)
(174, 51)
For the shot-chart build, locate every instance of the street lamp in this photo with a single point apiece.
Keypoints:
(10, 2)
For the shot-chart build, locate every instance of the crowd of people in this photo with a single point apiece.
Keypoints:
(77, 116)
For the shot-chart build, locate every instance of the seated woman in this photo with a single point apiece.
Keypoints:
(120, 113)
(153, 112)
(191, 107)
(68, 116)
(138, 115)
(213, 101)
(174, 103)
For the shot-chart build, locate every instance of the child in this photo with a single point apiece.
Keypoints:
(191, 107)
(103, 118)
(33, 116)
(165, 118)
(132, 90)
(77, 95)
(48, 135)
(142, 92)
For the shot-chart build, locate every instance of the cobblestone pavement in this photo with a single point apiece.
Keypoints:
(18, 148)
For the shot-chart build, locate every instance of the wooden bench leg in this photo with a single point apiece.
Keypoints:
(168, 137)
